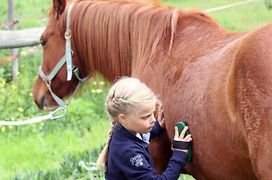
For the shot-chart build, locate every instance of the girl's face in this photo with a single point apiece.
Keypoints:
(141, 121)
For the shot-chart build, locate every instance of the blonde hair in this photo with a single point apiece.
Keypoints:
(123, 98)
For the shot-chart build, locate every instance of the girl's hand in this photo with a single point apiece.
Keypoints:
(181, 137)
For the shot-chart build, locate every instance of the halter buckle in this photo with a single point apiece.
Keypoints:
(67, 34)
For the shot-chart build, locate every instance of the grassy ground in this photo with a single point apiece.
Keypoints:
(245, 17)
(52, 150)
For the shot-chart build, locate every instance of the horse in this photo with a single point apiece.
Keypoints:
(219, 82)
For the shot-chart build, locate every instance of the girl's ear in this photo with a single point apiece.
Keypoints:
(58, 7)
(122, 119)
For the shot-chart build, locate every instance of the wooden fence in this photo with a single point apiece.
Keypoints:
(20, 38)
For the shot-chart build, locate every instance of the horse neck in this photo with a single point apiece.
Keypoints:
(112, 37)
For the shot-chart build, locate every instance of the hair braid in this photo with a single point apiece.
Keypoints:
(103, 156)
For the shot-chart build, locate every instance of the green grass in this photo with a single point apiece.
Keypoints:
(44, 151)
(255, 15)
(197, 4)
(241, 18)
(30, 13)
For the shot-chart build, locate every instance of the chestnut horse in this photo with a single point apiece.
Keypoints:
(218, 81)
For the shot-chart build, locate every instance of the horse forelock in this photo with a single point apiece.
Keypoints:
(119, 34)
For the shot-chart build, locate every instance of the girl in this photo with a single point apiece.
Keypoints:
(131, 106)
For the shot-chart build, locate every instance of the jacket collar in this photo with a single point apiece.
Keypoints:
(125, 134)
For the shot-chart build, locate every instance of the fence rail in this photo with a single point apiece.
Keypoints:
(20, 38)
(228, 6)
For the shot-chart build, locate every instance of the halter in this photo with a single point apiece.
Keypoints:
(67, 58)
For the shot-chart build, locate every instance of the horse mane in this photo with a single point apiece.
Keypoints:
(119, 34)
(115, 33)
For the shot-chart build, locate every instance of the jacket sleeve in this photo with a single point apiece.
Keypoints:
(136, 166)
(156, 130)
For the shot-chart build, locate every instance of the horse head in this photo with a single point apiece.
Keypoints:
(58, 75)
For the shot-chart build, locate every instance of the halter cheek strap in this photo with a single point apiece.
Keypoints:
(68, 49)
(48, 79)
(67, 58)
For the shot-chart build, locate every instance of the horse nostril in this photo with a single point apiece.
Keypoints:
(41, 103)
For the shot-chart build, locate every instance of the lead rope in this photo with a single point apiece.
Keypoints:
(53, 115)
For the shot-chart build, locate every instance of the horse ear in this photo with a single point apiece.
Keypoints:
(58, 7)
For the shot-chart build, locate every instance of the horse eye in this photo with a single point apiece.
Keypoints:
(43, 42)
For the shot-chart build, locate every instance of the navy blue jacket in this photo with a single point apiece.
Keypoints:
(128, 157)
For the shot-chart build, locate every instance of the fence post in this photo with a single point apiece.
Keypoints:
(11, 26)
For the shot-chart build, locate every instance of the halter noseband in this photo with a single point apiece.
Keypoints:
(67, 58)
